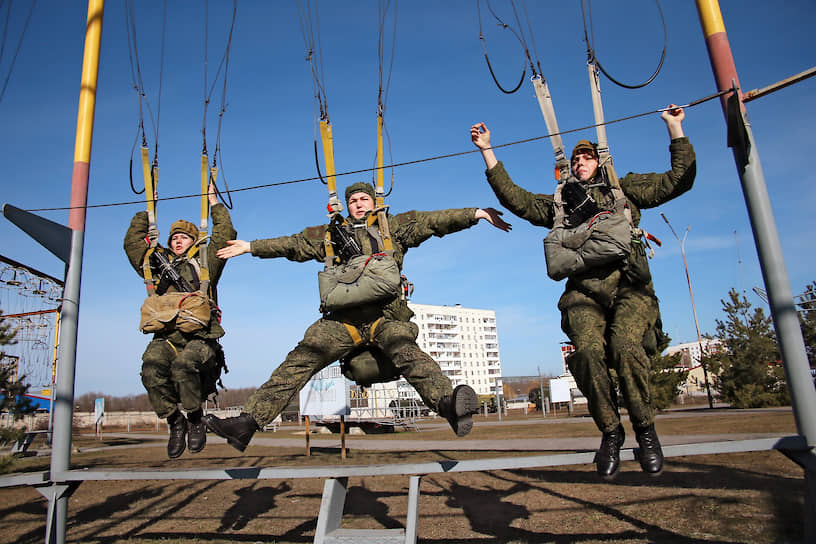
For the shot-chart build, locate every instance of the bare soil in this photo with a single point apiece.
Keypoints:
(745, 497)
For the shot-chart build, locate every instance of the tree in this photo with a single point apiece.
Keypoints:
(807, 317)
(12, 392)
(748, 372)
(666, 379)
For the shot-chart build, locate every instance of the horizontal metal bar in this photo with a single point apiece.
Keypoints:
(794, 443)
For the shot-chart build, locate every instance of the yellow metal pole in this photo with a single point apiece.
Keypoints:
(85, 115)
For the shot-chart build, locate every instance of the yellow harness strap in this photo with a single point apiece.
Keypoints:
(354, 333)
(335, 206)
(151, 178)
(379, 191)
(206, 175)
(373, 328)
(172, 346)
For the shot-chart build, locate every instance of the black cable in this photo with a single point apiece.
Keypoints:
(409, 163)
(484, 48)
(225, 64)
(138, 85)
(382, 92)
(593, 57)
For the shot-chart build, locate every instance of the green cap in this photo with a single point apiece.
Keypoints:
(183, 227)
(583, 146)
(359, 187)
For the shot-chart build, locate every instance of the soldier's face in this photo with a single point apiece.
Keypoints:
(359, 204)
(584, 166)
(180, 243)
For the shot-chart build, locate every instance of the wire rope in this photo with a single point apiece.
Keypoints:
(383, 89)
(309, 28)
(409, 163)
(19, 43)
(138, 85)
(223, 65)
(593, 57)
(484, 48)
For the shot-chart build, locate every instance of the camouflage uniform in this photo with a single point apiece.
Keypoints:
(182, 368)
(385, 326)
(608, 312)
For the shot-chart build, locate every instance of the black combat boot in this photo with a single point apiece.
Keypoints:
(459, 408)
(178, 434)
(650, 454)
(237, 430)
(607, 458)
(197, 431)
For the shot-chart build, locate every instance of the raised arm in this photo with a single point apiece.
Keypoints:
(480, 136)
(674, 116)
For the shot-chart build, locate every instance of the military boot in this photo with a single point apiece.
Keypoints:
(650, 454)
(197, 431)
(237, 430)
(459, 408)
(607, 458)
(178, 434)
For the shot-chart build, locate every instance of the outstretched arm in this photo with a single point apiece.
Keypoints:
(673, 116)
(493, 216)
(233, 249)
(480, 136)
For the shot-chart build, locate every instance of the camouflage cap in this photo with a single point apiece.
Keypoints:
(183, 227)
(359, 187)
(584, 145)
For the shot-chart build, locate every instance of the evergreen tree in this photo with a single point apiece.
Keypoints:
(12, 392)
(748, 372)
(666, 380)
(807, 315)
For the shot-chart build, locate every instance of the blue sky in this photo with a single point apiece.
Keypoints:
(440, 86)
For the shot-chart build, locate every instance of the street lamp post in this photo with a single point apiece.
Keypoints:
(693, 307)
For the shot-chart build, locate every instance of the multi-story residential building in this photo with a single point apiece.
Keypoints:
(691, 351)
(465, 343)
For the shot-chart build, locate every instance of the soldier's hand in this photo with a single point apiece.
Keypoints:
(211, 194)
(233, 249)
(480, 135)
(494, 217)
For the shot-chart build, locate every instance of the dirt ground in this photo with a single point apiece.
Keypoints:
(745, 497)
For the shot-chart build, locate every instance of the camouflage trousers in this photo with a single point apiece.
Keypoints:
(611, 339)
(326, 341)
(172, 373)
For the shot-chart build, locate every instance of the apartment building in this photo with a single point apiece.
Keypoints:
(464, 341)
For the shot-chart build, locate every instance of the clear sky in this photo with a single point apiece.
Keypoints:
(439, 87)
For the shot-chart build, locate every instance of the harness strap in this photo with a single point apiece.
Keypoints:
(542, 91)
(379, 192)
(373, 328)
(175, 350)
(206, 175)
(335, 206)
(354, 333)
(151, 178)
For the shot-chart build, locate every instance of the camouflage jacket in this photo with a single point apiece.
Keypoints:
(136, 246)
(408, 230)
(641, 191)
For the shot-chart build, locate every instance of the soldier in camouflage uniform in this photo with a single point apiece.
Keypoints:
(610, 312)
(382, 325)
(178, 367)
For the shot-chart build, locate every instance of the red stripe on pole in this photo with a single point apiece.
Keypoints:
(79, 195)
(722, 63)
